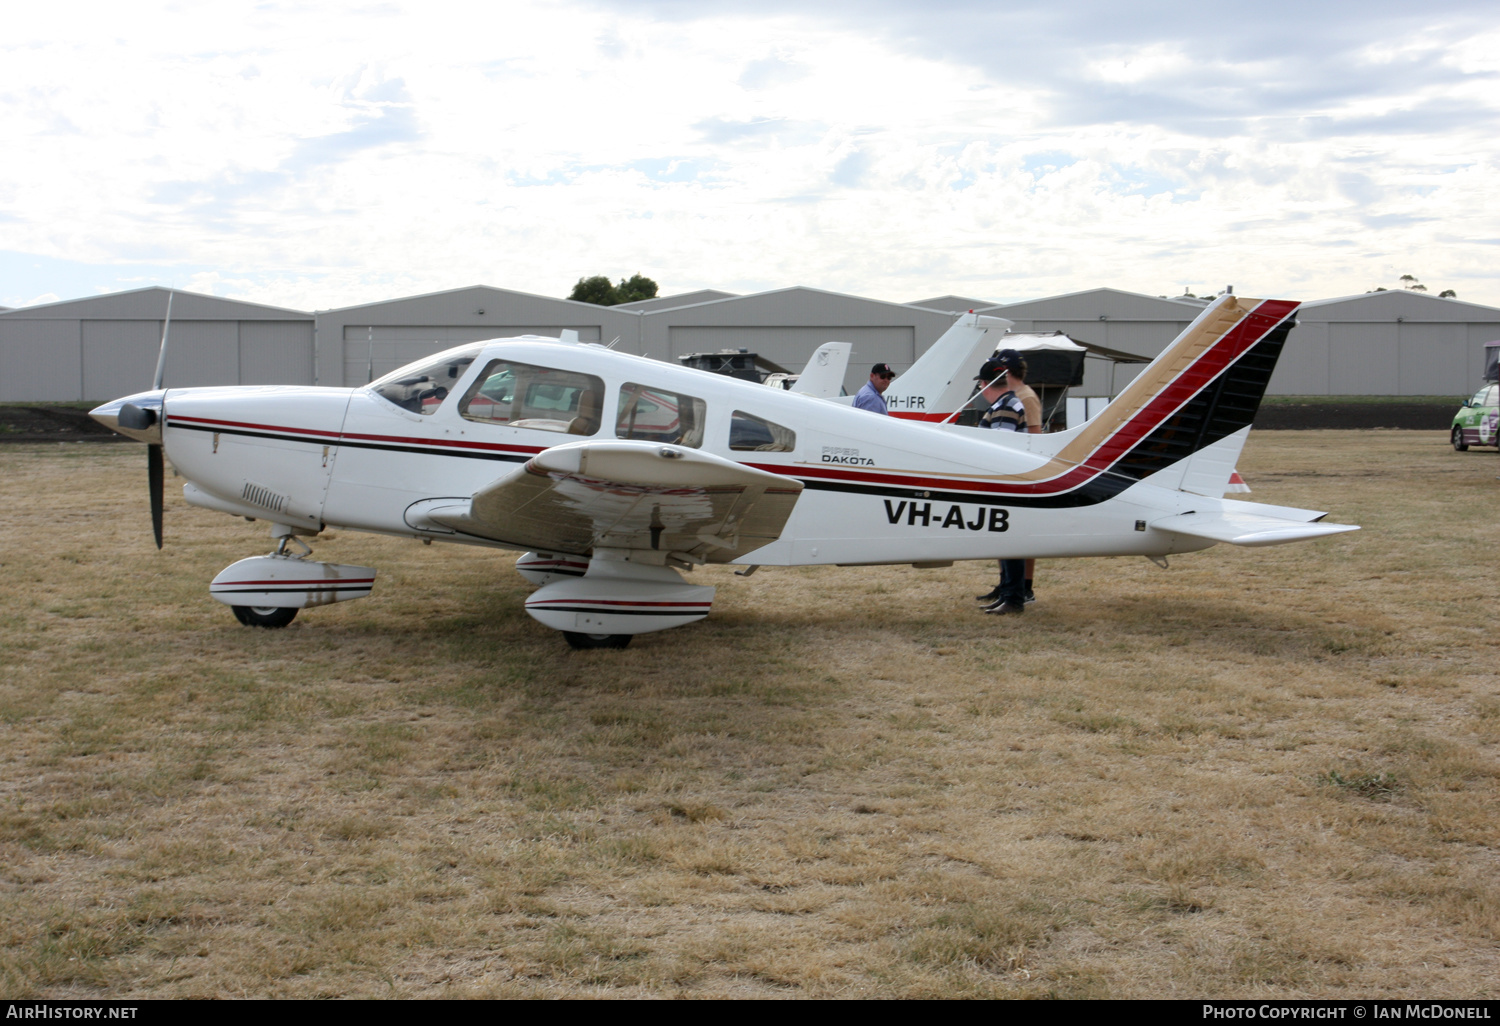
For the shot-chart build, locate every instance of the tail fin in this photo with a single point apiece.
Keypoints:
(1201, 392)
(940, 381)
(824, 374)
(1203, 387)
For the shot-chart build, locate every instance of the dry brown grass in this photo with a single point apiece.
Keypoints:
(1263, 773)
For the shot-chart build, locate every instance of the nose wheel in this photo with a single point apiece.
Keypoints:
(269, 617)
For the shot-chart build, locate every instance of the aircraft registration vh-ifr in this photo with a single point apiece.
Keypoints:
(612, 473)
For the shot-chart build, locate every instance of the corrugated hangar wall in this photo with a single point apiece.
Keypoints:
(791, 346)
(786, 325)
(1386, 343)
(1378, 343)
(106, 346)
(372, 351)
(356, 343)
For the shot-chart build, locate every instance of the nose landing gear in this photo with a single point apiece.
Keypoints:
(269, 617)
(266, 591)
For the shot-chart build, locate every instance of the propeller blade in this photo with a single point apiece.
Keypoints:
(155, 468)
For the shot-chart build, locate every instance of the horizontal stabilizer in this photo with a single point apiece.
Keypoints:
(1248, 529)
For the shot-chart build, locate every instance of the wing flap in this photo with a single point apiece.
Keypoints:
(629, 495)
(1248, 529)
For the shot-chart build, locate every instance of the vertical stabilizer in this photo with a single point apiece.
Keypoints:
(941, 379)
(824, 374)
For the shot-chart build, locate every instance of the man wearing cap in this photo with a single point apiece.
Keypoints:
(1013, 407)
(872, 396)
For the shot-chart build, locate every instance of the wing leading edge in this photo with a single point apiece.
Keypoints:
(640, 496)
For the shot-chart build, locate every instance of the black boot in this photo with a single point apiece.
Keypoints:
(989, 596)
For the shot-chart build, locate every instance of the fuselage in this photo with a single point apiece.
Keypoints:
(877, 489)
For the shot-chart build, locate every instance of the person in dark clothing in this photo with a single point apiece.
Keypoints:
(1013, 407)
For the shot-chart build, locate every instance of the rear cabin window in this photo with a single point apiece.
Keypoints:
(749, 433)
(656, 415)
(540, 398)
(423, 387)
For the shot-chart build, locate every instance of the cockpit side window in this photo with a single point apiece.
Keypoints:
(656, 415)
(539, 398)
(422, 388)
(749, 433)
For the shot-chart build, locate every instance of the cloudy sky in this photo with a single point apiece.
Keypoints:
(314, 156)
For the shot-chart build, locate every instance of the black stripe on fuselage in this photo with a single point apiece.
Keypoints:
(345, 443)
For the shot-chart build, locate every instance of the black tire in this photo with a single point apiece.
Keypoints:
(577, 640)
(269, 617)
(1459, 445)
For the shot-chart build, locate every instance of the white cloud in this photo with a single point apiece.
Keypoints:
(321, 157)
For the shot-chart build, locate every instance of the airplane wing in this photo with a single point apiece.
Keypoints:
(624, 495)
(1248, 529)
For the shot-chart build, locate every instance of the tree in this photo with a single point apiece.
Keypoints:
(634, 288)
(600, 292)
(596, 290)
(1410, 283)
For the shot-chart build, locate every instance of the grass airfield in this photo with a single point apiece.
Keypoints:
(1261, 773)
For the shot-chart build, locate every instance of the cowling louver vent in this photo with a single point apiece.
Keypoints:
(263, 497)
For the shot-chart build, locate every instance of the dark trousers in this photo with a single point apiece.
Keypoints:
(1013, 581)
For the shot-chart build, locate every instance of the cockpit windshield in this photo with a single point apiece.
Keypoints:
(421, 388)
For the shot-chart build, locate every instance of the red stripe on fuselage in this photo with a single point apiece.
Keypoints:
(353, 437)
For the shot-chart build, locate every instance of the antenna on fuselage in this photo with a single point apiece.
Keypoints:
(971, 398)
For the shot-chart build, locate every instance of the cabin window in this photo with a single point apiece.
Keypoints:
(749, 433)
(656, 415)
(422, 387)
(521, 395)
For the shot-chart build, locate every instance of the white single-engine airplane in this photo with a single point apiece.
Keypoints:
(612, 472)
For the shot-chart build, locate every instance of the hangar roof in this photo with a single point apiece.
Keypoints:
(1091, 304)
(1393, 303)
(794, 305)
(150, 304)
(953, 304)
(476, 292)
(683, 299)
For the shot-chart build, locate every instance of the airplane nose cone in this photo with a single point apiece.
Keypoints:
(135, 416)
